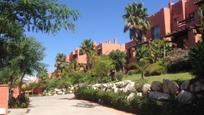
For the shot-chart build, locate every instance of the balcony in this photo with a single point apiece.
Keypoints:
(199, 2)
(184, 23)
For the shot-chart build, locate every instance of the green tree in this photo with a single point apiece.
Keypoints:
(119, 59)
(42, 76)
(18, 16)
(87, 47)
(31, 54)
(61, 63)
(142, 51)
(154, 52)
(26, 58)
(136, 21)
(196, 57)
(158, 50)
(101, 68)
(142, 64)
(47, 16)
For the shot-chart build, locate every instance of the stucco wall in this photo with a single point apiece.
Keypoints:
(4, 97)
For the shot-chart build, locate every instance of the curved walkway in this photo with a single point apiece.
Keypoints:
(67, 105)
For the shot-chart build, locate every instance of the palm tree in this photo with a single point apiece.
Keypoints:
(87, 47)
(118, 58)
(136, 21)
(60, 63)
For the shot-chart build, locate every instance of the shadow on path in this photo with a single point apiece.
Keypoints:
(67, 98)
(85, 105)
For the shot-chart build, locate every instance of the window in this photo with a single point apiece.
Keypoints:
(176, 20)
(191, 16)
(156, 32)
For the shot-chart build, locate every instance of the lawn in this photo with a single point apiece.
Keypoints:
(176, 76)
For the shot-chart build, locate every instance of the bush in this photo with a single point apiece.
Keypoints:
(177, 61)
(196, 57)
(141, 105)
(180, 66)
(131, 66)
(119, 76)
(101, 68)
(20, 102)
(117, 100)
(139, 84)
(155, 69)
(132, 72)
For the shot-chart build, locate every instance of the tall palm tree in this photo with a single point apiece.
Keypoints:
(136, 21)
(87, 47)
(60, 63)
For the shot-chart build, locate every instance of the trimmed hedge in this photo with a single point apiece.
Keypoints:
(180, 66)
(140, 105)
(118, 101)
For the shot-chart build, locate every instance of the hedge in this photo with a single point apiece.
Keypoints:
(140, 105)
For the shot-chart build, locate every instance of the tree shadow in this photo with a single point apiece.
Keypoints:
(66, 98)
(85, 105)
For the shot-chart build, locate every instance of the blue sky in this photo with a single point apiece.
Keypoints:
(100, 20)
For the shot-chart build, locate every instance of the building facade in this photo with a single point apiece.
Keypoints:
(101, 49)
(176, 23)
(107, 47)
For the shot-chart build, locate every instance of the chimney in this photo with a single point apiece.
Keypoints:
(115, 40)
(170, 3)
(109, 41)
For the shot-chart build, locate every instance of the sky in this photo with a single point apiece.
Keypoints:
(99, 20)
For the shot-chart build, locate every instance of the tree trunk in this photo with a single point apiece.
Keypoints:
(21, 82)
(142, 75)
(11, 85)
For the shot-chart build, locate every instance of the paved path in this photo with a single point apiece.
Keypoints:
(67, 105)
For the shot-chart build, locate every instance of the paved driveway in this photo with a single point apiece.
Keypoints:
(67, 105)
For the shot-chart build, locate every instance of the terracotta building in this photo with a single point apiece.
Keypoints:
(101, 49)
(4, 96)
(108, 46)
(77, 56)
(176, 23)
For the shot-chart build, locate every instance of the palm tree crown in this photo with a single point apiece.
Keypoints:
(87, 47)
(136, 21)
(60, 62)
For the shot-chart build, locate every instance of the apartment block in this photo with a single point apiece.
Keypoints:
(176, 23)
(101, 49)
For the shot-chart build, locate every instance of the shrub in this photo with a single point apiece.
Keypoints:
(155, 69)
(177, 61)
(101, 68)
(119, 76)
(20, 102)
(116, 100)
(132, 72)
(131, 66)
(180, 66)
(139, 84)
(118, 58)
(141, 105)
(196, 57)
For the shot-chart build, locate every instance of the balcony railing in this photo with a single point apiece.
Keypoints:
(198, 2)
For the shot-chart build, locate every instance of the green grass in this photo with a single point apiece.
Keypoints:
(176, 76)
